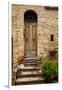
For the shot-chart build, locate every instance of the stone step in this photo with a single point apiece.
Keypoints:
(30, 64)
(29, 80)
(31, 67)
(29, 72)
(32, 61)
(32, 58)
(28, 75)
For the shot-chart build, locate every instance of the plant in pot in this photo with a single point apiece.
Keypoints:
(56, 72)
(50, 71)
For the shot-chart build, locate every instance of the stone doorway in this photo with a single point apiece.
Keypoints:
(30, 34)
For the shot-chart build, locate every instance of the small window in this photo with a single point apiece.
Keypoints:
(52, 37)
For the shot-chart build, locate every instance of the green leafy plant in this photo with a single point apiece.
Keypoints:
(50, 71)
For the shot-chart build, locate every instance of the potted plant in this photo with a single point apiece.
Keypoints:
(50, 71)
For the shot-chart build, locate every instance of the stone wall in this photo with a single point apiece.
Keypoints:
(47, 24)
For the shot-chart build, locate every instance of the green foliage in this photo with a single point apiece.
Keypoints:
(50, 69)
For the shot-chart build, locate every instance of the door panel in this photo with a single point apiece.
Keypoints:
(30, 39)
(34, 38)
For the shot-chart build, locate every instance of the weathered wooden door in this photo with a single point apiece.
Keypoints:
(30, 39)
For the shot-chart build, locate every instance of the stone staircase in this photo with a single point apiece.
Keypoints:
(31, 74)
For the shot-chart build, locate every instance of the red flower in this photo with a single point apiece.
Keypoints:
(20, 59)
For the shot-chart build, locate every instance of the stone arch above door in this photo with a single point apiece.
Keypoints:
(30, 16)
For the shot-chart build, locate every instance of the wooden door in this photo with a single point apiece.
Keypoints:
(30, 37)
